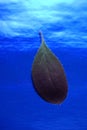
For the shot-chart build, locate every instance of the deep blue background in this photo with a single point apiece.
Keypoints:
(64, 26)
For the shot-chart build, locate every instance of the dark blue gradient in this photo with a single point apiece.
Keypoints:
(65, 30)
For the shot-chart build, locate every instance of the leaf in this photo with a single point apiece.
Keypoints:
(48, 75)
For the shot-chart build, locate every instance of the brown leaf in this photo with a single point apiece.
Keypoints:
(48, 75)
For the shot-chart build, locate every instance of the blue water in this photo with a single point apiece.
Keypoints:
(65, 32)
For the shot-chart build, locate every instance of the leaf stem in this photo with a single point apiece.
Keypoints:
(41, 37)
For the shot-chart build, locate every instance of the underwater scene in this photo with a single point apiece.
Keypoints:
(40, 41)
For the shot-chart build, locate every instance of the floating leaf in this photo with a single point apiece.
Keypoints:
(48, 75)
